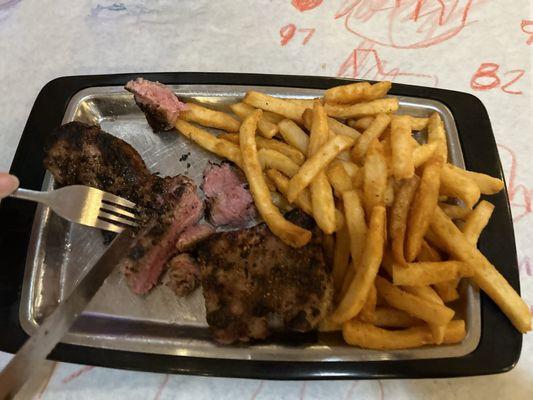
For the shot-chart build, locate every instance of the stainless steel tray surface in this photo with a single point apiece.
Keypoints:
(160, 322)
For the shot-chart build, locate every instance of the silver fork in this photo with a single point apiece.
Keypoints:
(86, 205)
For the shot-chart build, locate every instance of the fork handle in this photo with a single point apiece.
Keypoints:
(32, 195)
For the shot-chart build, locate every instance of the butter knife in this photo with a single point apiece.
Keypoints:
(33, 353)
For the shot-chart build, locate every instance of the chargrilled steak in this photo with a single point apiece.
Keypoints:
(229, 203)
(193, 235)
(182, 275)
(81, 154)
(253, 283)
(158, 102)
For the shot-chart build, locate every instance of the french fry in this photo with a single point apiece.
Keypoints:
(341, 258)
(487, 184)
(303, 201)
(210, 142)
(211, 118)
(339, 178)
(362, 109)
(279, 201)
(387, 317)
(325, 325)
(361, 123)
(357, 293)
(424, 202)
(294, 135)
(266, 128)
(368, 336)
(374, 131)
(354, 216)
(316, 163)
(276, 160)
(426, 292)
(455, 184)
(323, 203)
(375, 177)
(429, 273)
(428, 253)
(400, 211)
(402, 152)
(367, 312)
(486, 276)
(436, 134)
(338, 128)
(429, 311)
(350, 93)
(388, 196)
(455, 212)
(272, 144)
(356, 92)
(417, 123)
(289, 233)
(477, 220)
(307, 103)
(350, 168)
(288, 109)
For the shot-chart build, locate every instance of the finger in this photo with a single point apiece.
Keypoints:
(8, 184)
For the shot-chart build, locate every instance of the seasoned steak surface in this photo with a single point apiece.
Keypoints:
(77, 153)
(253, 283)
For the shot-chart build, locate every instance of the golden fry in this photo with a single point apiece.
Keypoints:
(341, 258)
(402, 152)
(375, 177)
(276, 160)
(431, 312)
(356, 92)
(339, 178)
(367, 312)
(210, 142)
(424, 203)
(354, 216)
(486, 276)
(455, 212)
(288, 109)
(387, 317)
(374, 131)
(362, 109)
(368, 336)
(398, 220)
(455, 184)
(429, 273)
(294, 135)
(265, 127)
(477, 220)
(361, 123)
(291, 234)
(210, 118)
(436, 134)
(357, 293)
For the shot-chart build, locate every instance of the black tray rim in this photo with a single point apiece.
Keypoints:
(499, 347)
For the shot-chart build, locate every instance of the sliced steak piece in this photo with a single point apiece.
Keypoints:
(250, 278)
(156, 243)
(161, 106)
(229, 203)
(193, 235)
(77, 153)
(183, 275)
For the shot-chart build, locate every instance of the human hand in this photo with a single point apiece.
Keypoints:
(8, 184)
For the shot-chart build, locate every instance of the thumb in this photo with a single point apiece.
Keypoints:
(8, 184)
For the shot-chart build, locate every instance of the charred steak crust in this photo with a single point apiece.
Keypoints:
(251, 278)
(77, 153)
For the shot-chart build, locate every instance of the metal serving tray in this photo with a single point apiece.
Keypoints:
(161, 323)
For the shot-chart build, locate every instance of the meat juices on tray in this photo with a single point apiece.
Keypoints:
(253, 283)
(81, 154)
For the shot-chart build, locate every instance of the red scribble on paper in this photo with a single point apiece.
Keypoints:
(161, 387)
(257, 390)
(77, 373)
(365, 62)
(406, 24)
(519, 194)
(486, 77)
(524, 25)
(289, 30)
(525, 267)
(302, 391)
(306, 5)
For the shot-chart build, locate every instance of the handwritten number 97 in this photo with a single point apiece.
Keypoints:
(289, 30)
(488, 76)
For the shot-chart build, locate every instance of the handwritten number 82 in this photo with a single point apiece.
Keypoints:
(488, 77)
(289, 30)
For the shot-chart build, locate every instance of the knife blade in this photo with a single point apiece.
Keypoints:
(34, 352)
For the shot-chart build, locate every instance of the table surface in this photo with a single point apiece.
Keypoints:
(478, 46)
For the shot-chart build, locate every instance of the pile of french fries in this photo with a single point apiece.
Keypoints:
(400, 223)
